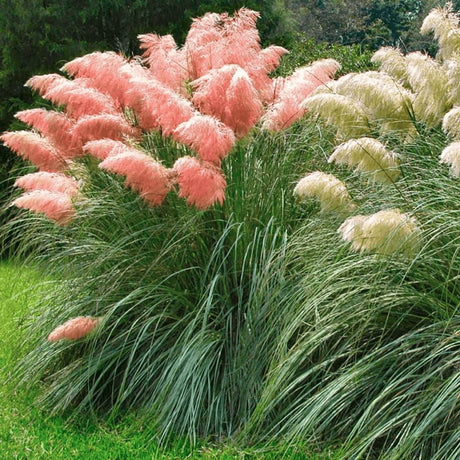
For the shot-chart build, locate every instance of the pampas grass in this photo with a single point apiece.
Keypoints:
(236, 309)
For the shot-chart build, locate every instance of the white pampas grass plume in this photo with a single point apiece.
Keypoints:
(444, 23)
(451, 156)
(383, 98)
(340, 111)
(370, 156)
(451, 122)
(392, 62)
(330, 191)
(452, 69)
(430, 85)
(385, 232)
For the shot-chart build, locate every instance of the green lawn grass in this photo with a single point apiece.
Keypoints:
(28, 433)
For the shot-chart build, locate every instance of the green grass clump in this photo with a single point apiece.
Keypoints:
(26, 431)
(254, 321)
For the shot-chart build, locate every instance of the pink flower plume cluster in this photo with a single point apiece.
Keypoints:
(143, 174)
(74, 328)
(201, 183)
(48, 193)
(205, 94)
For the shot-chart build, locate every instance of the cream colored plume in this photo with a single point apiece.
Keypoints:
(451, 156)
(330, 191)
(370, 156)
(430, 85)
(451, 123)
(392, 62)
(384, 232)
(452, 69)
(383, 98)
(444, 23)
(340, 111)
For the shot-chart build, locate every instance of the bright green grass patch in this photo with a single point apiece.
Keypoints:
(29, 433)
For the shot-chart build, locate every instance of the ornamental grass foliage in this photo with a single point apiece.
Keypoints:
(197, 284)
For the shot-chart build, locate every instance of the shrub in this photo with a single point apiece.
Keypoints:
(233, 307)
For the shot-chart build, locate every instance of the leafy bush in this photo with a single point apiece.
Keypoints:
(237, 306)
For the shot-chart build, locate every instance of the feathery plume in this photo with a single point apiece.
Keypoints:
(43, 83)
(103, 71)
(244, 107)
(201, 183)
(287, 107)
(203, 39)
(452, 69)
(166, 63)
(392, 62)
(451, 156)
(104, 125)
(444, 23)
(211, 139)
(370, 156)
(271, 57)
(74, 328)
(330, 191)
(53, 182)
(215, 40)
(55, 205)
(55, 126)
(451, 123)
(36, 149)
(430, 84)
(340, 111)
(102, 148)
(80, 101)
(143, 174)
(385, 232)
(382, 98)
(228, 94)
(157, 106)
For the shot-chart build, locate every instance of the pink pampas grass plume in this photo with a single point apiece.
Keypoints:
(55, 205)
(80, 101)
(103, 125)
(202, 41)
(166, 63)
(103, 70)
(53, 182)
(157, 106)
(287, 108)
(36, 149)
(55, 126)
(74, 328)
(202, 184)
(143, 174)
(270, 57)
(215, 40)
(244, 107)
(102, 148)
(229, 94)
(211, 139)
(43, 83)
